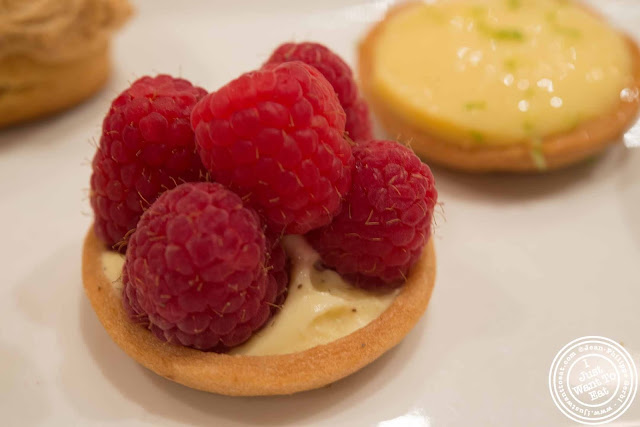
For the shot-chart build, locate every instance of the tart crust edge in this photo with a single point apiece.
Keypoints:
(238, 375)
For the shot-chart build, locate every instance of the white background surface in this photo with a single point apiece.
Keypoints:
(526, 264)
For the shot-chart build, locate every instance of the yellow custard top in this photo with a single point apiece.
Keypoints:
(499, 71)
(320, 308)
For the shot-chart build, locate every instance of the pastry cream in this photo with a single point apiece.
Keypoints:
(112, 263)
(320, 307)
(500, 71)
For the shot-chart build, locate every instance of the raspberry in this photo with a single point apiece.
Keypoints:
(358, 124)
(278, 266)
(338, 73)
(195, 269)
(386, 220)
(147, 146)
(332, 67)
(275, 136)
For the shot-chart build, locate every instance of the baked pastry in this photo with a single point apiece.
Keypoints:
(500, 85)
(205, 295)
(242, 375)
(53, 53)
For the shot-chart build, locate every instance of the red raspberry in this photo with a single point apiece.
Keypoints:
(275, 136)
(338, 73)
(278, 266)
(332, 67)
(358, 124)
(196, 268)
(386, 220)
(147, 146)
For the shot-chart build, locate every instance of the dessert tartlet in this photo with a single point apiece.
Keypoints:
(53, 53)
(264, 251)
(500, 85)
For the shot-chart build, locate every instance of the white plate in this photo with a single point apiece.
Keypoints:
(526, 264)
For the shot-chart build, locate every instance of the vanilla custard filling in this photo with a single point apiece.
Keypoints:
(499, 71)
(320, 308)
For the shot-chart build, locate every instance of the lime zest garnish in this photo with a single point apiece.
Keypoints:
(527, 126)
(514, 4)
(477, 136)
(475, 105)
(552, 18)
(478, 11)
(538, 155)
(504, 34)
(510, 64)
(567, 31)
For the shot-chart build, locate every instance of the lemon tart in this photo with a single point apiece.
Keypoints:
(500, 85)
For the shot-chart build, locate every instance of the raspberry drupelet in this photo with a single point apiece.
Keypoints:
(147, 146)
(358, 124)
(275, 137)
(385, 221)
(198, 271)
(338, 73)
(278, 266)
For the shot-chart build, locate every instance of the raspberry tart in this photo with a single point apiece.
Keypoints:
(295, 260)
(501, 85)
